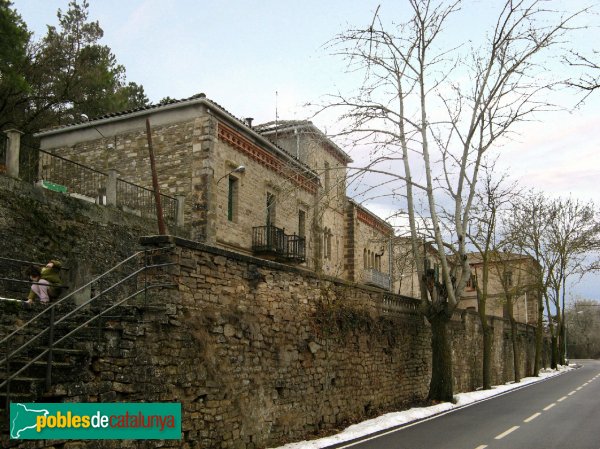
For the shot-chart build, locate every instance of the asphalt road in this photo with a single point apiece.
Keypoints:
(561, 412)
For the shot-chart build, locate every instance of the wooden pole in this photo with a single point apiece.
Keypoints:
(159, 212)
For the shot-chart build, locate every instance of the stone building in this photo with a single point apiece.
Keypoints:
(511, 276)
(276, 191)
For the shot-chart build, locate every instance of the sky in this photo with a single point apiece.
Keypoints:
(258, 58)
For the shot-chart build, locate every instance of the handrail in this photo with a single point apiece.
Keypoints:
(50, 309)
(68, 296)
(81, 326)
(27, 262)
(72, 312)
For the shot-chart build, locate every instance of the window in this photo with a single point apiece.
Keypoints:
(232, 199)
(327, 177)
(270, 209)
(365, 263)
(508, 280)
(301, 223)
(472, 281)
(327, 243)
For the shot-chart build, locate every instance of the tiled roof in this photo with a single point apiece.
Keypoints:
(284, 125)
(141, 109)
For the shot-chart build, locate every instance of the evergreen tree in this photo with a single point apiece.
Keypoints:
(68, 73)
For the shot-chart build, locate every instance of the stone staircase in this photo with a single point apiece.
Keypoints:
(43, 347)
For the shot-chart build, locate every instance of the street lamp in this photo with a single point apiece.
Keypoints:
(240, 169)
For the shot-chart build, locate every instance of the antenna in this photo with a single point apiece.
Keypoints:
(276, 119)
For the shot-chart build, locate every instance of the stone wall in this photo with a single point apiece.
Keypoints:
(38, 225)
(261, 353)
(258, 353)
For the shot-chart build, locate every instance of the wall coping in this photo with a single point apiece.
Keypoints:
(156, 240)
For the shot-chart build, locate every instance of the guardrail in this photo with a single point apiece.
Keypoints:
(392, 303)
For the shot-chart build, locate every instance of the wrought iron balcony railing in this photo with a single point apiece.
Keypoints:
(273, 241)
(375, 277)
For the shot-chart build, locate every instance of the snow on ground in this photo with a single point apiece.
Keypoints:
(394, 419)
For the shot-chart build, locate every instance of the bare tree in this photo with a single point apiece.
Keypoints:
(430, 114)
(528, 227)
(589, 80)
(583, 323)
(573, 233)
(491, 200)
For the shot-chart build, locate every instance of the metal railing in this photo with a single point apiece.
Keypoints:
(273, 240)
(295, 248)
(137, 199)
(269, 239)
(375, 277)
(77, 178)
(58, 322)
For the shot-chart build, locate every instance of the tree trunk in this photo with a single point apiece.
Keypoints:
(513, 338)
(515, 347)
(488, 338)
(561, 344)
(554, 360)
(440, 388)
(539, 335)
(554, 339)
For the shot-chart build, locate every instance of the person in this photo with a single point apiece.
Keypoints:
(51, 273)
(39, 288)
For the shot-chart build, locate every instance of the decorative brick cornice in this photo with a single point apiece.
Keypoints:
(266, 158)
(372, 221)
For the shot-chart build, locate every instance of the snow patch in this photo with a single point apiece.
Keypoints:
(394, 419)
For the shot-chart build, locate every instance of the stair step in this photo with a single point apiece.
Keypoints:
(71, 351)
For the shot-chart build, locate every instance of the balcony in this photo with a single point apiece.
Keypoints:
(376, 278)
(274, 242)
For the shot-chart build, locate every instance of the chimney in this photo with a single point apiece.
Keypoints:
(249, 121)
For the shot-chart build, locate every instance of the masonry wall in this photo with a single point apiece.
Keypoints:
(258, 353)
(250, 202)
(38, 225)
(523, 274)
(369, 240)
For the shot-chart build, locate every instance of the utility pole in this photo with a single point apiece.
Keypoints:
(159, 212)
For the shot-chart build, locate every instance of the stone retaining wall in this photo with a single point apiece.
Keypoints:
(258, 353)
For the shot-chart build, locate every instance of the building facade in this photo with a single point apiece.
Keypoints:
(275, 191)
(511, 278)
